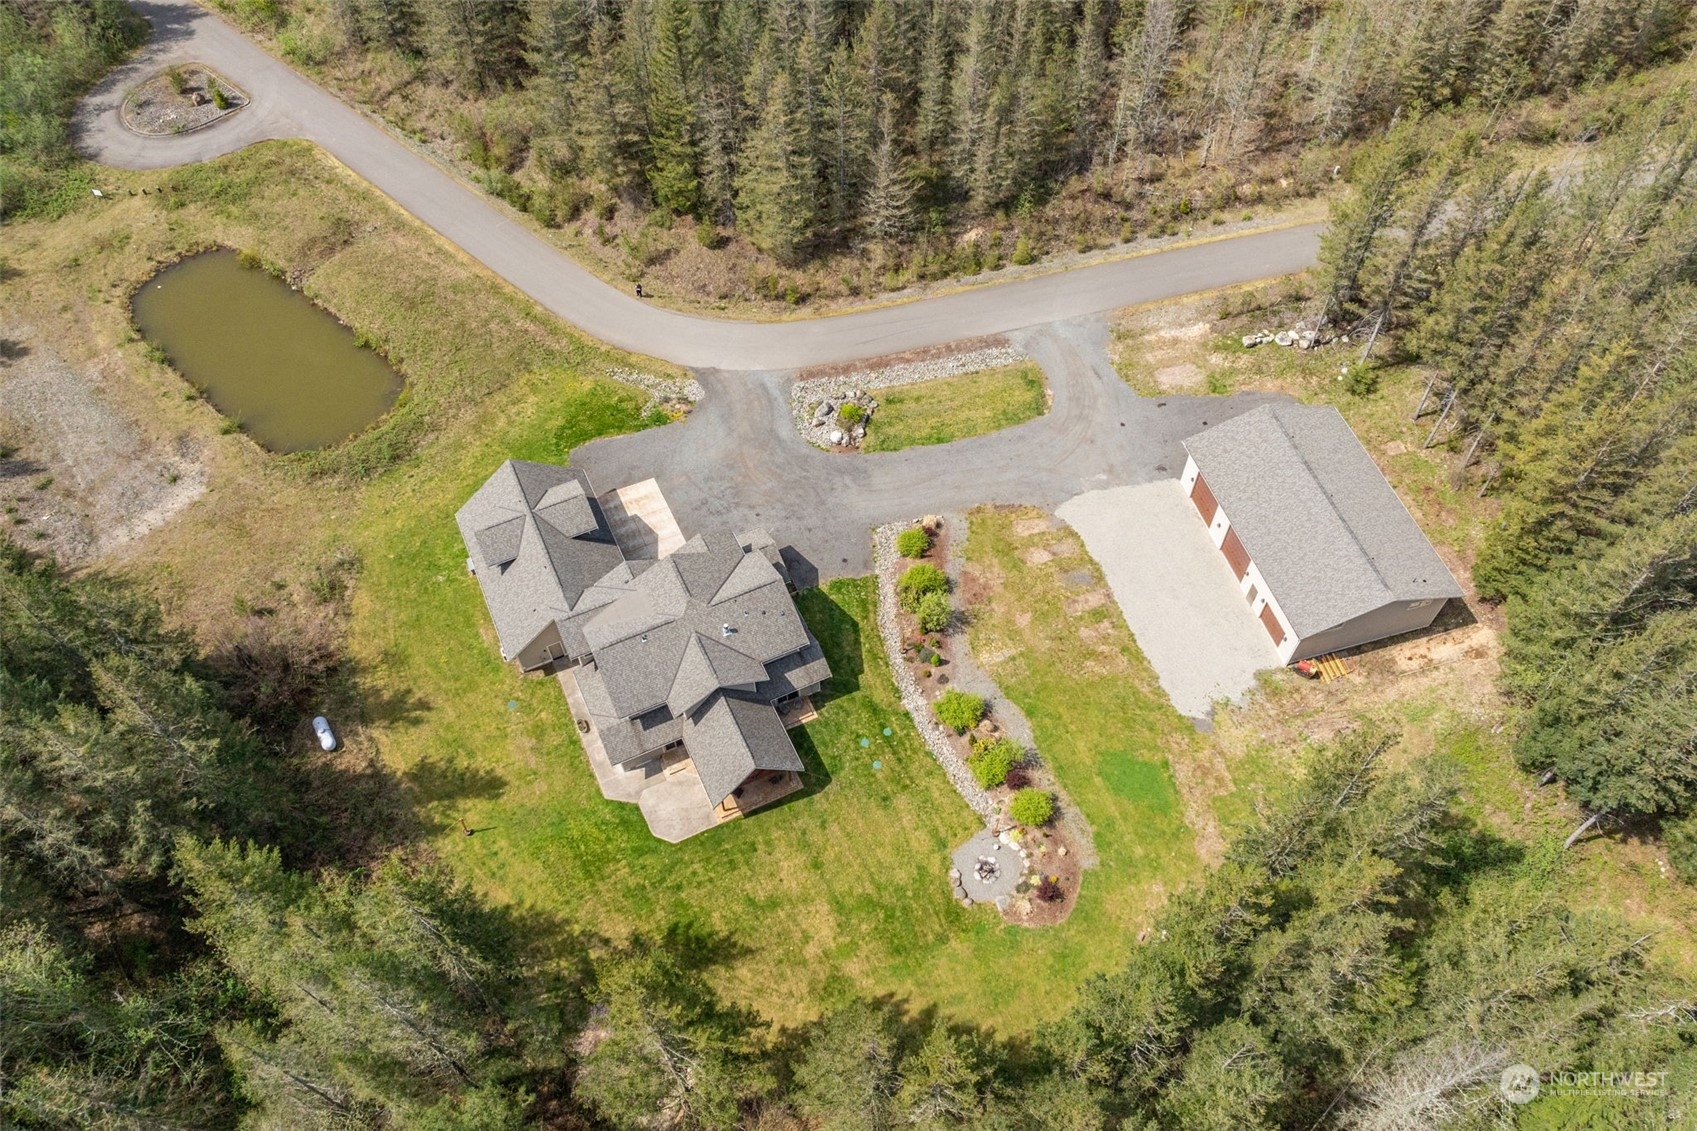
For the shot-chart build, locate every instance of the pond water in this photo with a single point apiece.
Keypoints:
(263, 354)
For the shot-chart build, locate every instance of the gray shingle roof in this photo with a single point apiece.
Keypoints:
(537, 539)
(730, 738)
(1318, 518)
(695, 646)
(645, 643)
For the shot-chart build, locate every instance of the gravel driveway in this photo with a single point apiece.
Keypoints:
(1176, 591)
(738, 462)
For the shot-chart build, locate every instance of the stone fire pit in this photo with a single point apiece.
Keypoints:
(987, 869)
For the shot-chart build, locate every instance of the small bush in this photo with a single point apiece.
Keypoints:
(913, 543)
(1032, 807)
(1022, 253)
(707, 235)
(219, 98)
(247, 257)
(917, 582)
(1681, 839)
(959, 711)
(178, 80)
(993, 760)
(934, 612)
(1017, 778)
(1049, 891)
(1362, 380)
(850, 414)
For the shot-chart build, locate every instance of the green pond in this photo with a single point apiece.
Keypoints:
(262, 353)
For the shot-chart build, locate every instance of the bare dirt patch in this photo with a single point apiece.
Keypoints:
(1183, 376)
(83, 479)
(1026, 527)
(1035, 555)
(1084, 602)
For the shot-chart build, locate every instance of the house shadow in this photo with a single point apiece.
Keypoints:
(838, 633)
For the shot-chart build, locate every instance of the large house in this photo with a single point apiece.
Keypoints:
(681, 663)
(1324, 551)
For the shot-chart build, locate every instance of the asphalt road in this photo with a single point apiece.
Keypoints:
(286, 104)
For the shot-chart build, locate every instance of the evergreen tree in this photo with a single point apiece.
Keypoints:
(666, 1048)
(777, 178)
(847, 1078)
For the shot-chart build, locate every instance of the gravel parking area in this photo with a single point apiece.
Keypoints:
(1176, 591)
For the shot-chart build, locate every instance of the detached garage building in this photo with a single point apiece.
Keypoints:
(1324, 551)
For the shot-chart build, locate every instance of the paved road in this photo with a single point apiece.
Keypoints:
(286, 104)
(738, 462)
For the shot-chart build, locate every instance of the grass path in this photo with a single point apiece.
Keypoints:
(954, 408)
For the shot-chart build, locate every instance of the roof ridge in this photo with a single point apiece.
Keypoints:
(1325, 493)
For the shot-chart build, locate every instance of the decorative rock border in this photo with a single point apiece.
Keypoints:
(807, 395)
(660, 390)
(152, 108)
(884, 562)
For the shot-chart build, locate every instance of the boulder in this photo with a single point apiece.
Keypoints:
(822, 414)
(836, 436)
(1251, 340)
(1284, 337)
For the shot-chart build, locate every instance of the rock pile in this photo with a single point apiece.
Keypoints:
(1302, 337)
(816, 423)
(828, 425)
(886, 562)
(662, 391)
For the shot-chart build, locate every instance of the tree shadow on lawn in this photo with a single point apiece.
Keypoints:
(436, 787)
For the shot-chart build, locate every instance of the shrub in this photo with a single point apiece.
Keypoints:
(1049, 891)
(850, 414)
(917, 582)
(707, 235)
(959, 711)
(1017, 778)
(934, 612)
(913, 543)
(178, 80)
(1033, 807)
(248, 257)
(1362, 380)
(992, 761)
(219, 98)
(1022, 253)
(1681, 839)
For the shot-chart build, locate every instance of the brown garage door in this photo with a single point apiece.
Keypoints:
(1271, 624)
(1235, 554)
(1204, 500)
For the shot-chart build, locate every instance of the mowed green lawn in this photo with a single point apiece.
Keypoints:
(839, 890)
(953, 408)
(1059, 648)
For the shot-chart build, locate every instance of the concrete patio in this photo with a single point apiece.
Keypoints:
(669, 793)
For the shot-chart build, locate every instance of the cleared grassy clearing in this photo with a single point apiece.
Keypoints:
(953, 408)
